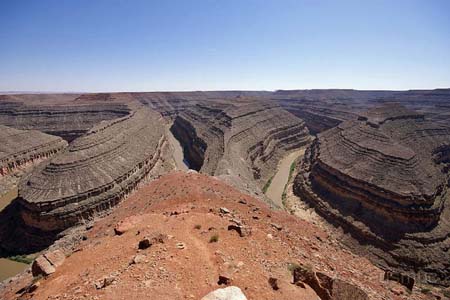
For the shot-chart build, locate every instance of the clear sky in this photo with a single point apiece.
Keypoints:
(88, 45)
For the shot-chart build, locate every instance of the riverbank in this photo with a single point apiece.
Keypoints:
(281, 177)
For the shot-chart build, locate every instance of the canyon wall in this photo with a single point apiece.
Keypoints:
(69, 119)
(384, 178)
(19, 148)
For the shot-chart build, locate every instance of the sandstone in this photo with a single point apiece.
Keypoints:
(148, 241)
(228, 293)
(139, 258)
(242, 230)
(276, 226)
(326, 287)
(41, 266)
(56, 257)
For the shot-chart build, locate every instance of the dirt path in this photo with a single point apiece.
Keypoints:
(276, 188)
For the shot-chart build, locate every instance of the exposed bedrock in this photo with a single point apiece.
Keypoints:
(92, 175)
(324, 109)
(66, 121)
(242, 141)
(385, 179)
(19, 148)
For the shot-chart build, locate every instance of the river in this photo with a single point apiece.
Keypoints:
(178, 154)
(279, 180)
(9, 268)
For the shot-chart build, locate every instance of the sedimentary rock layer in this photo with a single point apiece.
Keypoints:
(21, 147)
(94, 173)
(61, 119)
(244, 139)
(324, 109)
(385, 178)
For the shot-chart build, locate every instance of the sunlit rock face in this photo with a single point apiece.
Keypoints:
(95, 172)
(19, 148)
(385, 178)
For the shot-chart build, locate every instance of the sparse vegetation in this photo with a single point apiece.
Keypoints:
(292, 266)
(22, 259)
(198, 226)
(447, 294)
(266, 186)
(214, 238)
(291, 171)
(425, 290)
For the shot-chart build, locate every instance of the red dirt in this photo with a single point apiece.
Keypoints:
(177, 205)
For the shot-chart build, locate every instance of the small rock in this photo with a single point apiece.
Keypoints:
(104, 282)
(277, 226)
(224, 210)
(228, 293)
(180, 245)
(138, 259)
(224, 280)
(397, 291)
(274, 283)
(240, 229)
(148, 241)
(144, 243)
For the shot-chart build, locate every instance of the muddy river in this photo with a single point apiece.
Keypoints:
(279, 180)
(9, 268)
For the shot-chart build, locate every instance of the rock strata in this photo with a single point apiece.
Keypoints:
(243, 141)
(92, 175)
(384, 178)
(19, 148)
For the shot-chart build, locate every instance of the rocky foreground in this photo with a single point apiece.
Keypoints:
(184, 236)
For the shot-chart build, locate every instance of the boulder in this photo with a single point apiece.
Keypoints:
(228, 293)
(41, 266)
(56, 258)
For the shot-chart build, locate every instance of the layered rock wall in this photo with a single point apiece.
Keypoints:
(19, 148)
(94, 173)
(385, 179)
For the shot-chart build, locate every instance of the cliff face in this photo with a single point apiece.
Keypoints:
(324, 109)
(384, 177)
(244, 139)
(103, 166)
(66, 121)
(21, 147)
(92, 175)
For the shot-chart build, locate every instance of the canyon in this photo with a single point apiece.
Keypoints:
(375, 169)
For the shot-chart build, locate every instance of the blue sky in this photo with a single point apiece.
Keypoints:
(88, 45)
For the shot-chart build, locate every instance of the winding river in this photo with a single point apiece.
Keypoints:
(279, 180)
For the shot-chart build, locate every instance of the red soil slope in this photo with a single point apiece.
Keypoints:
(188, 210)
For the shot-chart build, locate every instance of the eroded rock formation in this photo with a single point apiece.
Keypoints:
(68, 119)
(103, 166)
(93, 174)
(243, 140)
(21, 147)
(384, 178)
